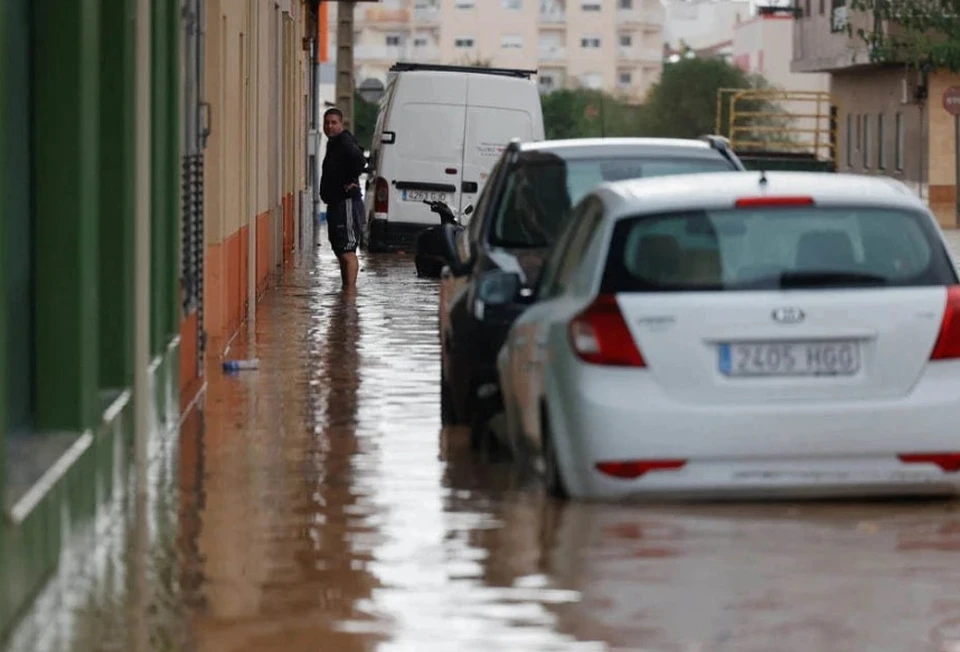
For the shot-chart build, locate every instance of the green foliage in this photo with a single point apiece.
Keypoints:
(584, 113)
(682, 105)
(923, 34)
(364, 120)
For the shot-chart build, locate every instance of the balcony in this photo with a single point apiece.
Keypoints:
(646, 19)
(553, 19)
(387, 18)
(553, 53)
(640, 55)
(427, 16)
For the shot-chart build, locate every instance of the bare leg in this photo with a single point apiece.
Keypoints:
(349, 266)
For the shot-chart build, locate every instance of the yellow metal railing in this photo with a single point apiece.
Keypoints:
(798, 122)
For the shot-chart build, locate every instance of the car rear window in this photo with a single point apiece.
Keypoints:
(539, 195)
(775, 248)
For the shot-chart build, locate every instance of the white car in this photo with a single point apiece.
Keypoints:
(746, 334)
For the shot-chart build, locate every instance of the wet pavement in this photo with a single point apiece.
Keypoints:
(320, 506)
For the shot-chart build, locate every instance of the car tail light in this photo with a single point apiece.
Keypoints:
(599, 335)
(381, 196)
(948, 341)
(632, 469)
(762, 202)
(949, 462)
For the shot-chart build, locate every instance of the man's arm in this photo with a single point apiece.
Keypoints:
(357, 162)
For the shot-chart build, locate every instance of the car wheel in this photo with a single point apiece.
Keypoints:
(552, 476)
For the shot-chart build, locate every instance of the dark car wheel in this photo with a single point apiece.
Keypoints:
(553, 478)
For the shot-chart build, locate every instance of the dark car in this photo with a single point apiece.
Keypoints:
(525, 203)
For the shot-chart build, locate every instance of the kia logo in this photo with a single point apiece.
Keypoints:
(788, 315)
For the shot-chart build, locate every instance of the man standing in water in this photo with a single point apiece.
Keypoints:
(343, 164)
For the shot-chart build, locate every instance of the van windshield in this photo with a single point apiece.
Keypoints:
(539, 194)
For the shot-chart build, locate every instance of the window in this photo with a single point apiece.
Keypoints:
(513, 5)
(463, 42)
(546, 82)
(464, 4)
(420, 42)
(626, 4)
(590, 5)
(572, 242)
(533, 209)
(624, 78)
(626, 40)
(511, 41)
(393, 40)
(849, 140)
(881, 144)
(838, 15)
(867, 141)
(590, 42)
(775, 248)
(898, 143)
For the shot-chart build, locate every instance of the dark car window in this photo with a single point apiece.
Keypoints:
(570, 247)
(776, 248)
(539, 195)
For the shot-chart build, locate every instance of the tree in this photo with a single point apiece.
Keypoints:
(364, 120)
(923, 34)
(579, 113)
(683, 104)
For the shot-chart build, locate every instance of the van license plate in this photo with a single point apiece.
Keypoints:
(823, 358)
(424, 195)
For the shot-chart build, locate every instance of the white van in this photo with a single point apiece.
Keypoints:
(439, 131)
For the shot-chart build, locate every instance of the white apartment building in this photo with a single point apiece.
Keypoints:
(616, 45)
(704, 26)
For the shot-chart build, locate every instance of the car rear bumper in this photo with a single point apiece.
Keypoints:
(384, 233)
(833, 447)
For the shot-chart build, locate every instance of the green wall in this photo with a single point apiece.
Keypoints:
(72, 67)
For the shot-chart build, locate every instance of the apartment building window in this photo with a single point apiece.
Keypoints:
(881, 144)
(546, 82)
(626, 4)
(464, 4)
(590, 42)
(838, 15)
(463, 42)
(898, 142)
(511, 41)
(867, 141)
(624, 78)
(626, 40)
(393, 40)
(513, 5)
(849, 140)
(590, 5)
(420, 42)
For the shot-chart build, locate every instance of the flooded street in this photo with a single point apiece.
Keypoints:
(321, 507)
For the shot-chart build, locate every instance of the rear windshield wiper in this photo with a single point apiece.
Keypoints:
(815, 279)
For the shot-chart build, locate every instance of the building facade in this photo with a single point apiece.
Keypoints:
(153, 163)
(616, 45)
(891, 119)
(704, 26)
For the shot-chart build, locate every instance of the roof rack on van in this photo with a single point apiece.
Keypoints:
(407, 66)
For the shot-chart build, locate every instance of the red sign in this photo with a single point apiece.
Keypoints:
(951, 100)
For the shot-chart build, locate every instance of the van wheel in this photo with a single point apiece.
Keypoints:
(552, 477)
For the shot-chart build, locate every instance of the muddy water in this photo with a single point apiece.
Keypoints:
(321, 507)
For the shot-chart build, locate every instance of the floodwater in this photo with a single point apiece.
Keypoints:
(320, 506)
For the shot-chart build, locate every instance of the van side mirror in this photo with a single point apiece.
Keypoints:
(449, 233)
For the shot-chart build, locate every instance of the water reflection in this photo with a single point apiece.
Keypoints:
(321, 507)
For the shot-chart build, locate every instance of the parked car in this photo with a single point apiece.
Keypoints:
(525, 204)
(439, 131)
(747, 333)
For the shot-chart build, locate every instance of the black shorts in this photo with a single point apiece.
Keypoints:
(345, 224)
